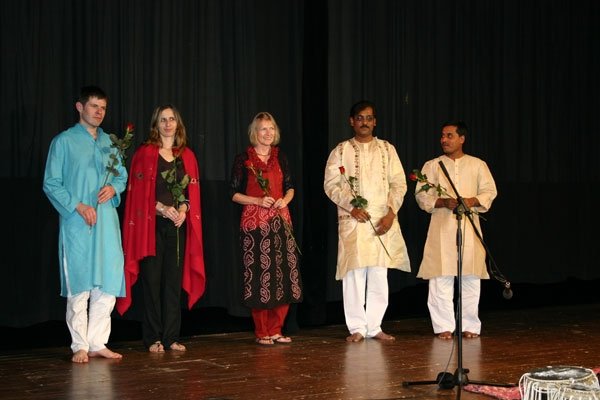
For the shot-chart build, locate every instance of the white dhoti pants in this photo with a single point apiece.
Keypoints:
(365, 292)
(89, 324)
(441, 304)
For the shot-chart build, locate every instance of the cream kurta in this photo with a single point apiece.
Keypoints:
(382, 182)
(472, 178)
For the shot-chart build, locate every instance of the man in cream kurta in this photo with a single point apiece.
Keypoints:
(369, 238)
(475, 184)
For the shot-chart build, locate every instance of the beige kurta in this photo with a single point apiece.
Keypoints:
(472, 178)
(382, 182)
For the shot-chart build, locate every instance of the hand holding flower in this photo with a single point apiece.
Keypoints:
(444, 200)
(179, 218)
(106, 193)
(177, 189)
(88, 213)
(385, 223)
(267, 201)
(175, 215)
(280, 203)
(360, 214)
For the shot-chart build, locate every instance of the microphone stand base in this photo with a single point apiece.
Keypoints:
(446, 380)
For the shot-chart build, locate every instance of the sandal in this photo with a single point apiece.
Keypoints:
(265, 341)
(177, 346)
(281, 339)
(156, 347)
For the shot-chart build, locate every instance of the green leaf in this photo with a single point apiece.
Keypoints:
(440, 190)
(185, 181)
(359, 202)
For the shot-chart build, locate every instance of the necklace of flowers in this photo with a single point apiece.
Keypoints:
(177, 188)
(360, 202)
(119, 157)
(264, 186)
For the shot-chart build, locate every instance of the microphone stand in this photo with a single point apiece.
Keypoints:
(446, 380)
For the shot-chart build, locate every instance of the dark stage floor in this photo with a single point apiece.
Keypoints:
(319, 364)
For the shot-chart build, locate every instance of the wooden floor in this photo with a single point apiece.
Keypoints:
(319, 364)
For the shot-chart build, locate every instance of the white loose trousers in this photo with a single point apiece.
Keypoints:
(89, 324)
(441, 304)
(365, 292)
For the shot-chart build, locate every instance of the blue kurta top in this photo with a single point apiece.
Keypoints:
(75, 172)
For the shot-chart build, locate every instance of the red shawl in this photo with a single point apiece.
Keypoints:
(139, 224)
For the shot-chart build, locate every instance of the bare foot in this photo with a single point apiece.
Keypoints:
(446, 335)
(80, 356)
(177, 346)
(105, 352)
(355, 337)
(470, 335)
(383, 336)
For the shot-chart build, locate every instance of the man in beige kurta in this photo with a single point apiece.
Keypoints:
(369, 238)
(475, 184)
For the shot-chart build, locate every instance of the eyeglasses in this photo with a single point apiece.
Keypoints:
(361, 118)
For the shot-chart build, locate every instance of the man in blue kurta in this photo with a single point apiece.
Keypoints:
(85, 194)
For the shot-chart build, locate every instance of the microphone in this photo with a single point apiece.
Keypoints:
(507, 293)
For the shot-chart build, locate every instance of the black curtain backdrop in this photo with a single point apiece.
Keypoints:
(523, 74)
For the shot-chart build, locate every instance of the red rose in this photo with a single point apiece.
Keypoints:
(342, 170)
(412, 177)
(130, 127)
(248, 164)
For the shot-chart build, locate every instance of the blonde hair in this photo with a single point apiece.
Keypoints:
(253, 127)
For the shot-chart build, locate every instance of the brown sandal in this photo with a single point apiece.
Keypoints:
(281, 339)
(156, 347)
(265, 341)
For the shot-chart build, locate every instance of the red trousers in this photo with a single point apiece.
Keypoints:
(268, 322)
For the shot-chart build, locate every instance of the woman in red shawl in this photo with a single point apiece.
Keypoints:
(162, 231)
(261, 182)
